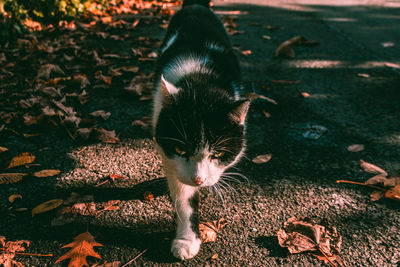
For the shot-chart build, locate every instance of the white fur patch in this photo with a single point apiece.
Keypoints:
(185, 65)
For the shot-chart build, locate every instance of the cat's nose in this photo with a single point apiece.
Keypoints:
(197, 180)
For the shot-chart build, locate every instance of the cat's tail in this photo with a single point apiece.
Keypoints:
(205, 3)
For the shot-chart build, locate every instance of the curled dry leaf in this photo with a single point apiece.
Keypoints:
(22, 159)
(81, 247)
(371, 168)
(47, 206)
(3, 149)
(262, 158)
(304, 235)
(209, 230)
(11, 178)
(355, 148)
(286, 48)
(252, 96)
(13, 197)
(46, 173)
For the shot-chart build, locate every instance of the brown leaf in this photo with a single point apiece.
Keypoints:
(10, 178)
(355, 148)
(13, 197)
(393, 193)
(47, 206)
(286, 48)
(371, 168)
(47, 70)
(144, 122)
(3, 149)
(46, 173)
(382, 179)
(376, 195)
(114, 177)
(81, 247)
(101, 113)
(304, 94)
(106, 136)
(262, 158)
(304, 235)
(21, 159)
(8, 251)
(252, 96)
(246, 52)
(209, 230)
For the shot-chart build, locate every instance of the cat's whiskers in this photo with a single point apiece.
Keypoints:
(173, 139)
(230, 174)
(177, 128)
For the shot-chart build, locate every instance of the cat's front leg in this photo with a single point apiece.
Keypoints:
(185, 200)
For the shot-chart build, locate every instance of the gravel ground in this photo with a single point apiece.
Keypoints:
(298, 181)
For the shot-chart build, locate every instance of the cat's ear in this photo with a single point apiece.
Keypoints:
(239, 111)
(167, 89)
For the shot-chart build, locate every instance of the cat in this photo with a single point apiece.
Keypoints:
(199, 119)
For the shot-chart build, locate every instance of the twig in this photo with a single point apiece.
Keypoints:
(132, 260)
(83, 149)
(29, 254)
(363, 184)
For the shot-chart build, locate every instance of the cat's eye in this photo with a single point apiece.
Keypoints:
(217, 154)
(180, 151)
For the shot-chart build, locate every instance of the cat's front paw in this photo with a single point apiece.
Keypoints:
(184, 249)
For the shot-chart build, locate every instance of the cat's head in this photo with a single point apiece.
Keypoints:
(201, 132)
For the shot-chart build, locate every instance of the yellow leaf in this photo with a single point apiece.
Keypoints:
(10, 178)
(21, 159)
(13, 197)
(81, 247)
(46, 173)
(46, 206)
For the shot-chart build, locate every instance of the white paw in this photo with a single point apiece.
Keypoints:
(184, 249)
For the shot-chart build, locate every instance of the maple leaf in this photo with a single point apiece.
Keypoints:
(81, 247)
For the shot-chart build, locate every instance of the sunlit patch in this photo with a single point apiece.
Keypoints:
(313, 64)
(341, 19)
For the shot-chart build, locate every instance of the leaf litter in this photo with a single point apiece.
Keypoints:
(302, 235)
(210, 230)
(383, 184)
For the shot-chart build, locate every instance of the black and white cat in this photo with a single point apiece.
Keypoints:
(198, 117)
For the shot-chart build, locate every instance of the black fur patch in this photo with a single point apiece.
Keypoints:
(194, 217)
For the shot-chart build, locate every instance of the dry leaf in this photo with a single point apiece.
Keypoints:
(101, 113)
(8, 249)
(47, 70)
(371, 168)
(393, 193)
(3, 149)
(13, 197)
(286, 48)
(252, 96)
(21, 159)
(304, 235)
(355, 148)
(81, 247)
(266, 37)
(46, 206)
(246, 52)
(46, 173)
(74, 205)
(209, 230)
(148, 196)
(364, 75)
(304, 94)
(215, 256)
(10, 178)
(262, 158)
(114, 177)
(382, 179)
(106, 136)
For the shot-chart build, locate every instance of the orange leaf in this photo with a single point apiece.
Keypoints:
(81, 247)
(21, 159)
(148, 196)
(46, 173)
(13, 197)
(115, 177)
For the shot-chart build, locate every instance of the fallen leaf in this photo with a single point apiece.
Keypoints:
(371, 168)
(215, 256)
(393, 193)
(47, 206)
(266, 37)
(107, 79)
(106, 136)
(355, 148)
(114, 177)
(11, 178)
(260, 159)
(81, 247)
(252, 96)
(144, 123)
(148, 196)
(304, 235)
(286, 48)
(246, 52)
(3, 149)
(46, 173)
(364, 75)
(13, 197)
(47, 70)
(8, 251)
(101, 113)
(272, 27)
(209, 230)
(304, 94)
(383, 180)
(21, 159)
